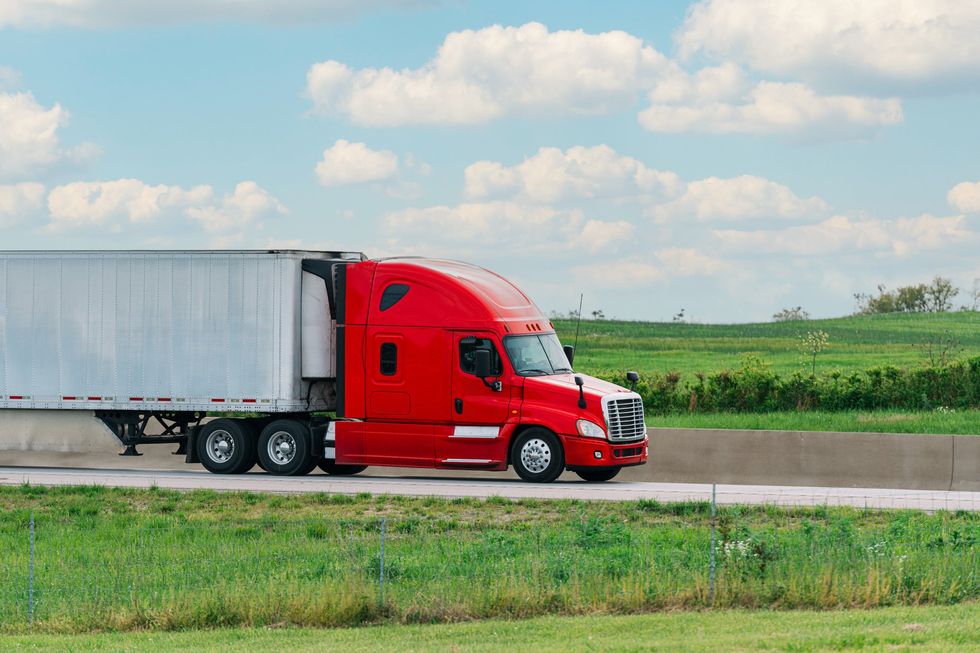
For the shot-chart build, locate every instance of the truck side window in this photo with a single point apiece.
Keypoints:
(389, 358)
(392, 295)
(467, 359)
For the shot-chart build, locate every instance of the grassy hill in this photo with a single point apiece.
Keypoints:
(856, 342)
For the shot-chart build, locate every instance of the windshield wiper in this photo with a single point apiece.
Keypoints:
(535, 371)
(564, 369)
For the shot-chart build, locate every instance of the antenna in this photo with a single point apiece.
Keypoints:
(580, 298)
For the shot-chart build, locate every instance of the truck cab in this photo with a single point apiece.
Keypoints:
(442, 364)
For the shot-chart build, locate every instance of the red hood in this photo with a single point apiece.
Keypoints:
(593, 387)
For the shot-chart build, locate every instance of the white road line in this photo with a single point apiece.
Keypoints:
(482, 488)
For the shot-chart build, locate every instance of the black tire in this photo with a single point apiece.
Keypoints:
(332, 468)
(226, 446)
(598, 475)
(537, 456)
(284, 448)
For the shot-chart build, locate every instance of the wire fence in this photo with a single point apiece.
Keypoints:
(85, 572)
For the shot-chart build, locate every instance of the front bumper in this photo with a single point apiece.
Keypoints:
(592, 453)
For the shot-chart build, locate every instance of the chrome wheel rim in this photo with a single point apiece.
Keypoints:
(281, 448)
(535, 455)
(220, 446)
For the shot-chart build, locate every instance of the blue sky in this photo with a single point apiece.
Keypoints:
(729, 157)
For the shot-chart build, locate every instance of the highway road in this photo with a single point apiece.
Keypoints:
(424, 483)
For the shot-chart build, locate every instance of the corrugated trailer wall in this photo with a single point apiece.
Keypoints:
(152, 331)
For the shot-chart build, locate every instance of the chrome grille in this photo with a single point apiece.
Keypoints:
(624, 418)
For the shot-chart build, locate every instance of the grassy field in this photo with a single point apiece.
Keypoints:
(961, 422)
(856, 342)
(116, 559)
(922, 629)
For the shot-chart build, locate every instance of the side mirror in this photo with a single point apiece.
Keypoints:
(569, 354)
(632, 377)
(482, 363)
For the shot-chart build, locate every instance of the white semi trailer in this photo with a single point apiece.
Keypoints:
(140, 338)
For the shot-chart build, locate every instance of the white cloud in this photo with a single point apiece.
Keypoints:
(84, 203)
(479, 75)
(745, 197)
(579, 172)
(506, 226)
(842, 234)
(119, 13)
(19, 202)
(633, 272)
(721, 102)
(242, 208)
(910, 44)
(117, 203)
(354, 163)
(29, 136)
(688, 262)
(965, 197)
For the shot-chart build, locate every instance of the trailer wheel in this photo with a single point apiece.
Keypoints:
(597, 475)
(226, 446)
(284, 448)
(537, 456)
(332, 468)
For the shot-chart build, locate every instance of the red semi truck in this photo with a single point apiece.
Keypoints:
(423, 363)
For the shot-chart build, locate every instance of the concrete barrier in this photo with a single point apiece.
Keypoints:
(804, 458)
(812, 458)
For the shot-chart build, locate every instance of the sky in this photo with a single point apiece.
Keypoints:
(730, 158)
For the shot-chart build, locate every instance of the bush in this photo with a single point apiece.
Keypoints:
(755, 388)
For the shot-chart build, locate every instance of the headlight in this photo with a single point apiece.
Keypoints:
(590, 429)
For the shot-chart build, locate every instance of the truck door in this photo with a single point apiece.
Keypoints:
(474, 403)
(478, 411)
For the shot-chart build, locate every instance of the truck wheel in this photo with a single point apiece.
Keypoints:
(597, 475)
(332, 468)
(537, 456)
(284, 448)
(226, 446)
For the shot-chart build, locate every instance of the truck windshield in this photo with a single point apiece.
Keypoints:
(536, 355)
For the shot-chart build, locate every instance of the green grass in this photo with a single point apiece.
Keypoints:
(856, 343)
(120, 559)
(922, 629)
(960, 422)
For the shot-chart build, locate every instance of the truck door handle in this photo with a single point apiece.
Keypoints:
(459, 405)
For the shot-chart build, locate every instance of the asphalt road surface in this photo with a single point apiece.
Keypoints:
(425, 483)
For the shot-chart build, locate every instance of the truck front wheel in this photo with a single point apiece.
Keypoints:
(537, 456)
(284, 448)
(597, 475)
(226, 446)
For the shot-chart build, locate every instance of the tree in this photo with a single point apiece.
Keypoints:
(598, 314)
(679, 317)
(937, 297)
(812, 343)
(791, 315)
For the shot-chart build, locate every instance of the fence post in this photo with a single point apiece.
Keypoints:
(711, 568)
(30, 575)
(381, 566)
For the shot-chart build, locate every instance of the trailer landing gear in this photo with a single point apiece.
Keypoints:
(130, 428)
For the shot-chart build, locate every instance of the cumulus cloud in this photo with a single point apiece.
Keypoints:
(354, 163)
(720, 100)
(242, 208)
(689, 262)
(507, 226)
(897, 44)
(479, 75)
(745, 197)
(120, 13)
(634, 272)
(19, 202)
(842, 234)
(552, 175)
(965, 197)
(29, 136)
(114, 204)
